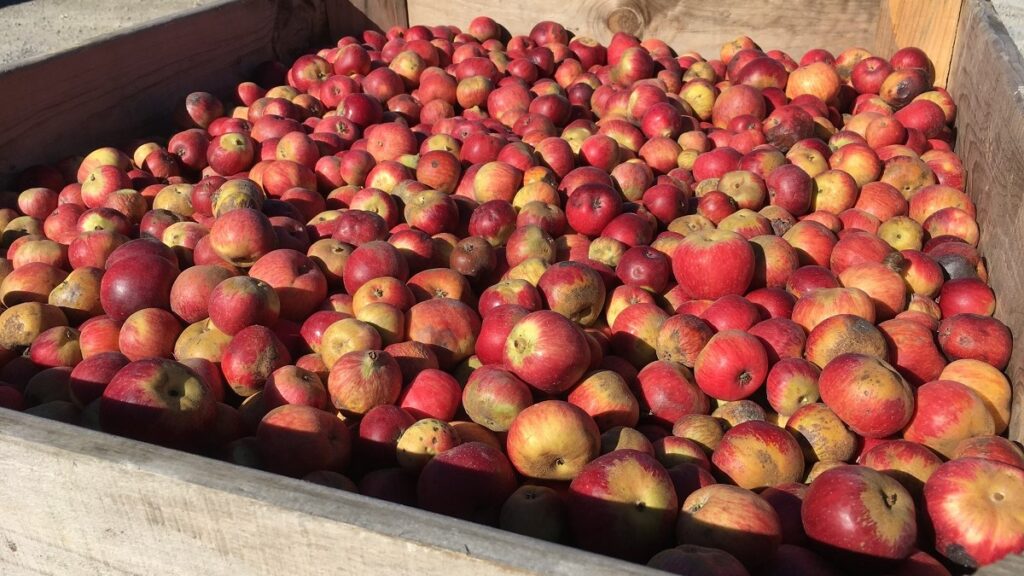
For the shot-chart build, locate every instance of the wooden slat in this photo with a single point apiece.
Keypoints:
(80, 502)
(927, 24)
(104, 92)
(351, 17)
(124, 85)
(987, 82)
(702, 25)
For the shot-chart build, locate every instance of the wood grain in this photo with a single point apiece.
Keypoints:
(702, 25)
(81, 502)
(120, 85)
(987, 82)
(927, 24)
(351, 17)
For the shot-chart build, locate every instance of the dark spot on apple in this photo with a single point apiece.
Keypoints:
(889, 499)
(559, 462)
(745, 378)
(641, 506)
(997, 497)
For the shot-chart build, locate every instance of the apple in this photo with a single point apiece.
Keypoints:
(947, 412)
(552, 440)
(731, 519)
(537, 511)
(622, 504)
(667, 392)
(449, 327)
(693, 559)
(606, 397)
(867, 394)
(238, 302)
(731, 273)
(975, 337)
(547, 351)
(471, 481)
(974, 506)
(732, 366)
(745, 451)
(856, 509)
(432, 394)
(363, 379)
(160, 401)
(297, 440)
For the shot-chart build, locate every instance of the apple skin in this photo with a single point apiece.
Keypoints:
(238, 302)
(552, 440)
(250, 357)
(908, 462)
(692, 559)
(622, 504)
(364, 379)
(298, 282)
(493, 397)
(975, 505)
(856, 509)
(843, 334)
(988, 382)
(242, 236)
(994, 448)
(378, 433)
(296, 440)
(90, 377)
(607, 398)
(547, 351)
(432, 394)
(667, 391)
(732, 366)
(190, 293)
(494, 331)
(710, 264)
(574, 290)
(744, 449)
(448, 326)
(946, 413)
(293, 385)
(131, 284)
(537, 511)
(976, 337)
(470, 481)
(681, 338)
(732, 519)
(160, 401)
(148, 333)
(867, 394)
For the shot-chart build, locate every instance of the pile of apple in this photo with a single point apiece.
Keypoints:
(719, 316)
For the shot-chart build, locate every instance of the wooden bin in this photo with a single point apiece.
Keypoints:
(77, 501)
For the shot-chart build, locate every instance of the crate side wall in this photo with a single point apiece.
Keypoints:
(987, 82)
(794, 26)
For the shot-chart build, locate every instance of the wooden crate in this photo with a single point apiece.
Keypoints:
(77, 501)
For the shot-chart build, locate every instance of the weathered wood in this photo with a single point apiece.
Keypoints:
(927, 24)
(702, 25)
(987, 82)
(101, 93)
(1009, 566)
(351, 17)
(132, 508)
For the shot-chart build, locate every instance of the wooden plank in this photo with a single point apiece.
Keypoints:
(82, 502)
(97, 94)
(702, 25)
(927, 24)
(126, 83)
(987, 82)
(351, 17)
(1009, 566)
